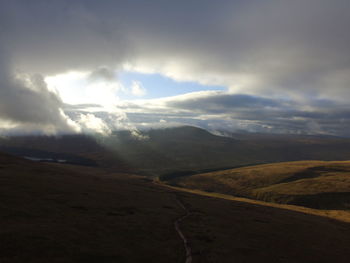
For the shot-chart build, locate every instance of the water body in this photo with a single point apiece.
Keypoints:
(37, 159)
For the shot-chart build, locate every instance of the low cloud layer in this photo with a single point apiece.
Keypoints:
(286, 64)
(217, 110)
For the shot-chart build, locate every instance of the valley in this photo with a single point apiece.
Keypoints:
(181, 195)
(184, 149)
(174, 131)
(68, 213)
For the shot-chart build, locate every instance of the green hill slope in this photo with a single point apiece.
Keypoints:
(181, 149)
(316, 184)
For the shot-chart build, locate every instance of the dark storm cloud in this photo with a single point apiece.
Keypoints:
(224, 102)
(35, 93)
(298, 50)
(26, 103)
(253, 45)
(102, 73)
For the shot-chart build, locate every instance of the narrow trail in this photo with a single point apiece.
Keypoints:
(177, 222)
(181, 234)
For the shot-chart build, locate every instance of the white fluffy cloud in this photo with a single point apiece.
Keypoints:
(137, 89)
(91, 123)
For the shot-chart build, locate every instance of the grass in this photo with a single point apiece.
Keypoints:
(64, 213)
(317, 184)
(179, 149)
(341, 215)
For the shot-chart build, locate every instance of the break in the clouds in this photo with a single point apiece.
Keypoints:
(285, 64)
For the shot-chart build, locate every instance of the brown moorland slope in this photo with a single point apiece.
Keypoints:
(76, 149)
(316, 184)
(177, 149)
(62, 213)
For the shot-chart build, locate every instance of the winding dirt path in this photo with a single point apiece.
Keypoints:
(181, 234)
(177, 222)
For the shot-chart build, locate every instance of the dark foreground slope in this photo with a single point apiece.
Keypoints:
(61, 213)
(316, 184)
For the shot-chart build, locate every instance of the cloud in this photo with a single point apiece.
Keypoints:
(27, 103)
(217, 110)
(219, 101)
(102, 73)
(249, 46)
(137, 89)
(91, 123)
(276, 58)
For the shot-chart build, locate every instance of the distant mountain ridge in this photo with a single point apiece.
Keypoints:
(186, 148)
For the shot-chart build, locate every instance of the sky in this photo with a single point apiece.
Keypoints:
(273, 66)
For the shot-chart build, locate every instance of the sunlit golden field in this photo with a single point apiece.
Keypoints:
(317, 184)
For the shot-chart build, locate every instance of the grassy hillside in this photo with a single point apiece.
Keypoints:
(64, 213)
(193, 149)
(182, 149)
(175, 149)
(316, 184)
(75, 149)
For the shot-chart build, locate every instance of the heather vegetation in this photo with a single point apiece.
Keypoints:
(316, 184)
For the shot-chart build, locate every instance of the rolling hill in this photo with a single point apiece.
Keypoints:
(317, 184)
(182, 149)
(192, 149)
(69, 213)
(78, 149)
